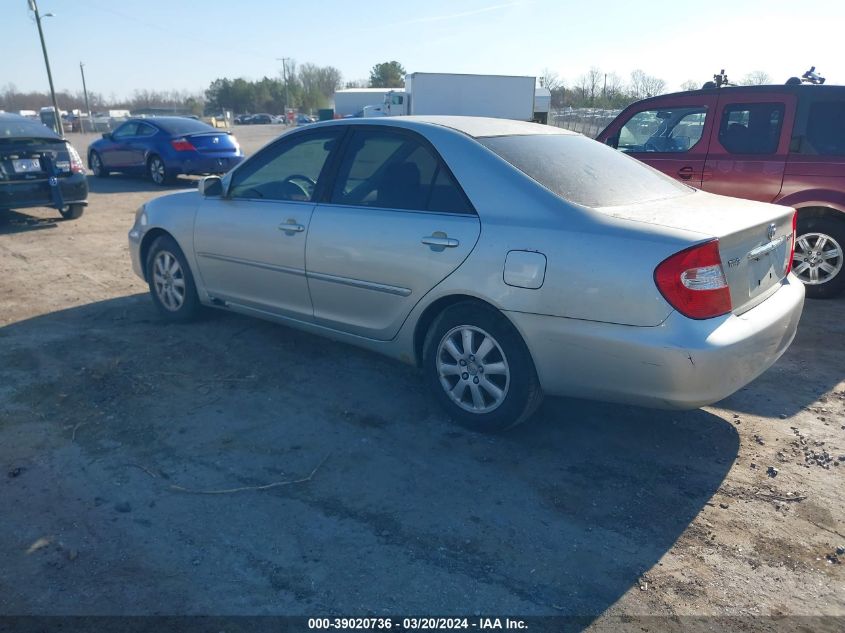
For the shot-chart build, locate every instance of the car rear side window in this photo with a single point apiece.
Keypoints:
(583, 171)
(146, 130)
(393, 170)
(752, 128)
(826, 128)
(287, 170)
(673, 130)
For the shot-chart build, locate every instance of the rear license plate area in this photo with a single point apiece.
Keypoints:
(26, 165)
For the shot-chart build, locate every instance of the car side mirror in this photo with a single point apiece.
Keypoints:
(210, 187)
(107, 136)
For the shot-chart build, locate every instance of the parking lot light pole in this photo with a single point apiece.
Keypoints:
(33, 5)
(284, 61)
(85, 92)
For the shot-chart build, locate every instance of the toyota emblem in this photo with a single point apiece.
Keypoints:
(771, 231)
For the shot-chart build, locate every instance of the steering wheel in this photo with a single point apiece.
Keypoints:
(302, 177)
(302, 183)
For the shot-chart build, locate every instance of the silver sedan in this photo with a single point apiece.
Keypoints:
(505, 259)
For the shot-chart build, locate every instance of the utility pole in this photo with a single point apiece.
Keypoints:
(285, 61)
(85, 91)
(33, 6)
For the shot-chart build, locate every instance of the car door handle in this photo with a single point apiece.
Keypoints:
(440, 241)
(291, 227)
(686, 173)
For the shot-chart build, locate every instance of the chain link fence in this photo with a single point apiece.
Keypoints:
(586, 121)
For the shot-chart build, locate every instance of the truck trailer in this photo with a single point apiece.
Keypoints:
(497, 96)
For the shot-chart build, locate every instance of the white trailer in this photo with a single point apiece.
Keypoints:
(542, 104)
(498, 96)
(352, 101)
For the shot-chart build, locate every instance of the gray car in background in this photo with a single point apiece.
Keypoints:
(506, 259)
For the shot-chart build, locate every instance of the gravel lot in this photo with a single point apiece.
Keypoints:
(110, 422)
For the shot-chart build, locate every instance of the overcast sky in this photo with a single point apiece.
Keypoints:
(168, 44)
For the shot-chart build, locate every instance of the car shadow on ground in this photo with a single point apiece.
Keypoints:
(338, 486)
(812, 366)
(121, 183)
(12, 221)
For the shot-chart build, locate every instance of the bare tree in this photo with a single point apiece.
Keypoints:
(643, 85)
(690, 84)
(550, 79)
(756, 78)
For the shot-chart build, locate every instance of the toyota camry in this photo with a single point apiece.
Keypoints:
(507, 260)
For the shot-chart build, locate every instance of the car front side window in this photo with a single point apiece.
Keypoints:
(288, 170)
(666, 130)
(391, 170)
(125, 131)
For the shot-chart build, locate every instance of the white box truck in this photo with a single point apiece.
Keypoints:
(498, 96)
(542, 104)
(352, 101)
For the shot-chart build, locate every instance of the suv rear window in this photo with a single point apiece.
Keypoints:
(826, 128)
(584, 171)
(18, 127)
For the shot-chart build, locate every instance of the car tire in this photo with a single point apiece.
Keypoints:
(158, 171)
(486, 390)
(95, 163)
(171, 282)
(72, 211)
(822, 270)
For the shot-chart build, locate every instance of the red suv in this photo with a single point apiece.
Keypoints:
(781, 144)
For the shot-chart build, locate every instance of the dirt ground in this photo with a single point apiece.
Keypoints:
(111, 421)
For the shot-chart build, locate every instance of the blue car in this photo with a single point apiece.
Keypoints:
(164, 147)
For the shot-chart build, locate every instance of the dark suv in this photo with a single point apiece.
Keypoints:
(781, 144)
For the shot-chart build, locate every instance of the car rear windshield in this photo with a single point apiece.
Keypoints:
(183, 126)
(19, 127)
(584, 171)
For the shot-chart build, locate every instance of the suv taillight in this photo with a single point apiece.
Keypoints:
(76, 165)
(787, 265)
(693, 282)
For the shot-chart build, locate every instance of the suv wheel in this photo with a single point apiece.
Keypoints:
(479, 369)
(818, 260)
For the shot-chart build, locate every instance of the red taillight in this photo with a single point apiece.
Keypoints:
(787, 265)
(76, 165)
(182, 145)
(693, 282)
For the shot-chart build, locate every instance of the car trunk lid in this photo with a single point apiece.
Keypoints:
(755, 239)
(213, 142)
(31, 159)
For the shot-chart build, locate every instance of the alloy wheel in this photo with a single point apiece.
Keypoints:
(818, 258)
(157, 170)
(472, 368)
(169, 281)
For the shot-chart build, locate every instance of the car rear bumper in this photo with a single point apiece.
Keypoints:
(38, 193)
(200, 164)
(680, 364)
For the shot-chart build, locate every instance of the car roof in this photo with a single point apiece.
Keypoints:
(476, 127)
(797, 89)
